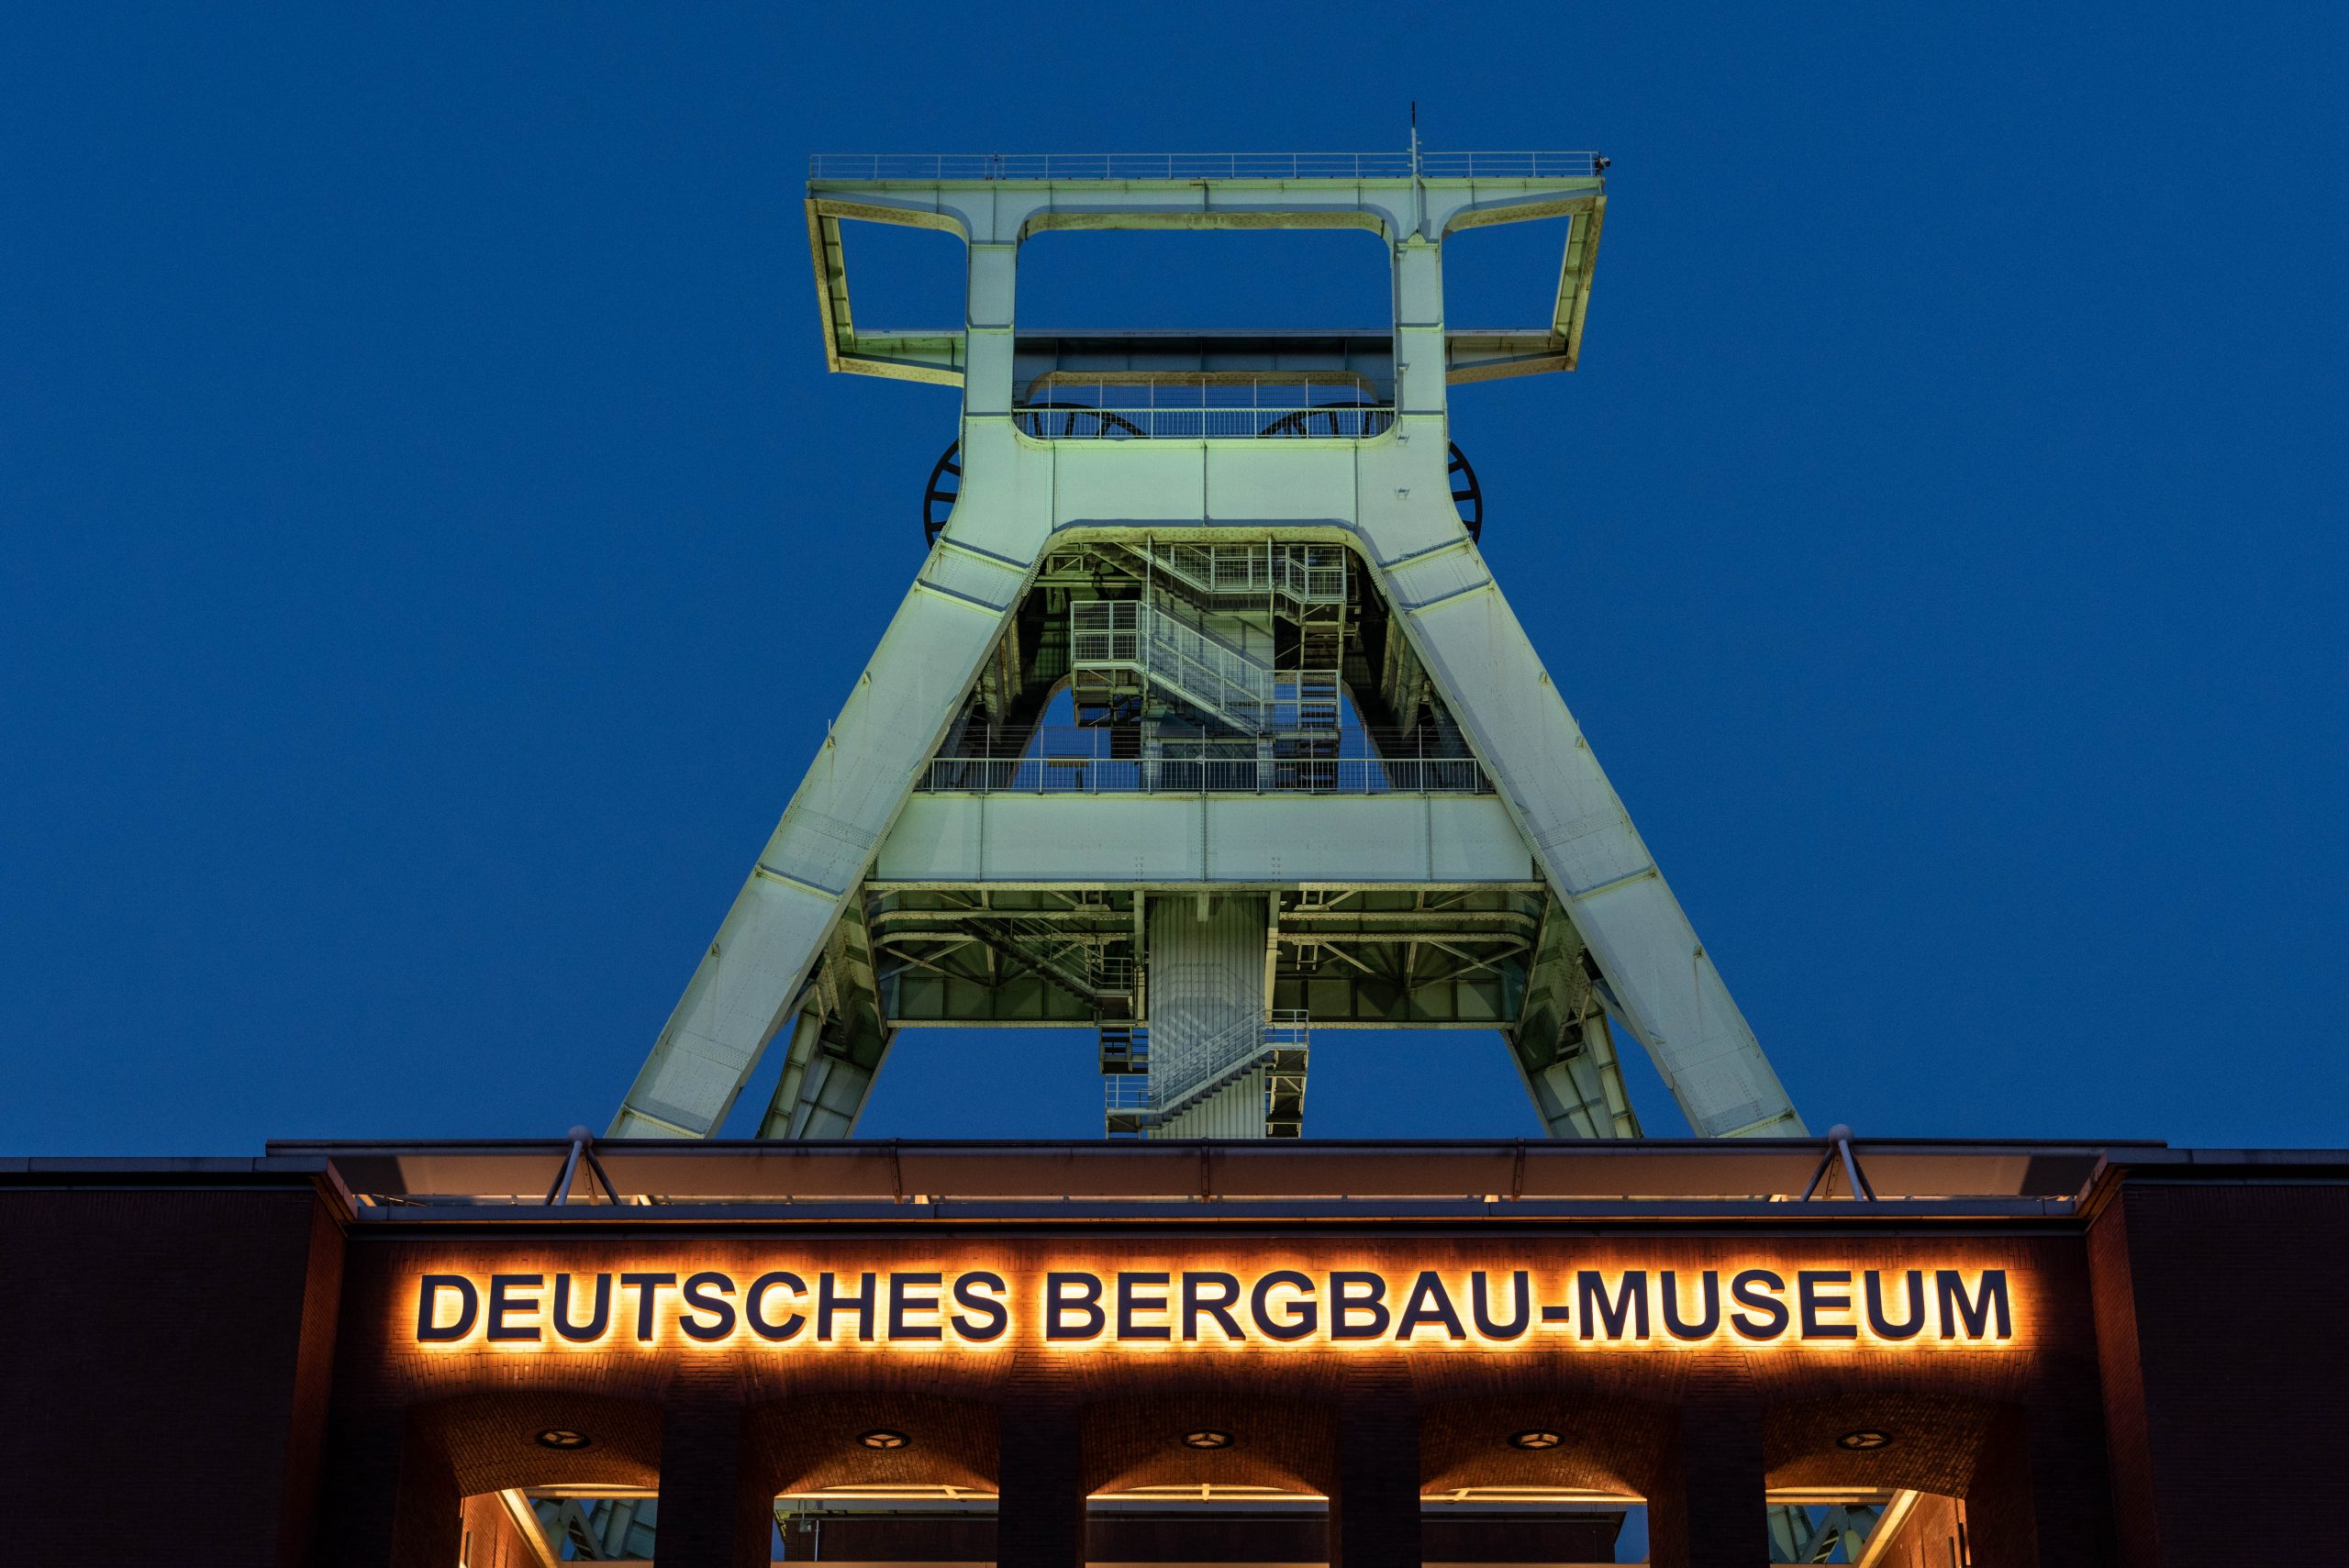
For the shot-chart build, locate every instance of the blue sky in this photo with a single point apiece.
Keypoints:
(431, 546)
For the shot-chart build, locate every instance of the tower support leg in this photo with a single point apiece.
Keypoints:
(1575, 1082)
(750, 978)
(1659, 981)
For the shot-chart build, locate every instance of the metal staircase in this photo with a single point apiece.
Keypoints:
(1301, 573)
(1275, 1049)
(1109, 639)
(1215, 570)
(1119, 647)
(1079, 969)
(1125, 1050)
(1306, 701)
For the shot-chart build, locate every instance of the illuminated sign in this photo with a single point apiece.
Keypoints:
(1079, 1309)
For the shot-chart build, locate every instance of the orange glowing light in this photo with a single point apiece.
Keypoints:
(1186, 1305)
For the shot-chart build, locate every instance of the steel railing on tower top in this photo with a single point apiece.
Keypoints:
(1105, 760)
(1525, 165)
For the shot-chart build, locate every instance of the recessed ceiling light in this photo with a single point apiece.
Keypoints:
(882, 1437)
(1864, 1440)
(1207, 1437)
(1534, 1437)
(564, 1439)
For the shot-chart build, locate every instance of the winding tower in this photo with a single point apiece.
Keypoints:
(1204, 725)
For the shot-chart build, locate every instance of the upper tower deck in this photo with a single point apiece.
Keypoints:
(1207, 384)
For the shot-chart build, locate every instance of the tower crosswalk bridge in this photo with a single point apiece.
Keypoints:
(1204, 725)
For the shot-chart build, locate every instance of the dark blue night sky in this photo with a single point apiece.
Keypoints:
(432, 544)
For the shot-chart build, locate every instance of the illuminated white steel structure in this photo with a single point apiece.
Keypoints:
(1204, 723)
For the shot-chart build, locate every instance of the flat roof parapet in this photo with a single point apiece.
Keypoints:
(1332, 1178)
(1640, 1181)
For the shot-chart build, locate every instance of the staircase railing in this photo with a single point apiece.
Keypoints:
(1206, 669)
(1311, 575)
(1192, 1069)
(1307, 573)
(1277, 1043)
(1136, 634)
(1308, 701)
(1105, 760)
(1045, 949)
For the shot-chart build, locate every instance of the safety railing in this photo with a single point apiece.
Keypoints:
(1180, 1073)
(1205, 775)
(1202, 165)
(1105, 631)
(1172, 652)
(1313, 574)
(1124, 1092)
(1186, 657)
(1308, 702)
(1215, 567)
(1296, 422)
(1207, 1064)
(1309, 573)
(1086, 761)
(1239, 407)
(1512, 165)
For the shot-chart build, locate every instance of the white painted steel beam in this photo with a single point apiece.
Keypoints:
(1672, 997)
(1006, 211)
(1581, 1095)
(1129, 840)
(896, 714)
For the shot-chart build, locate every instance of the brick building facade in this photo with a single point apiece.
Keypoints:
(2012, 1354)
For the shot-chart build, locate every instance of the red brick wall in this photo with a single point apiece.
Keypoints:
(1073, 1420)
(1931, 1537)
(2228, 1427)
(2122, 1380)
(169, 1354)
(488, 1537)
(166, 1356)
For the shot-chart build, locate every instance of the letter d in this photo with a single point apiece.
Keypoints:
(428, 1292)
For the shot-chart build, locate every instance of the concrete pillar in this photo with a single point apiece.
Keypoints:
(1374, 1508)
(1040, 1509)
(717, 1510)
(1709, 1504)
